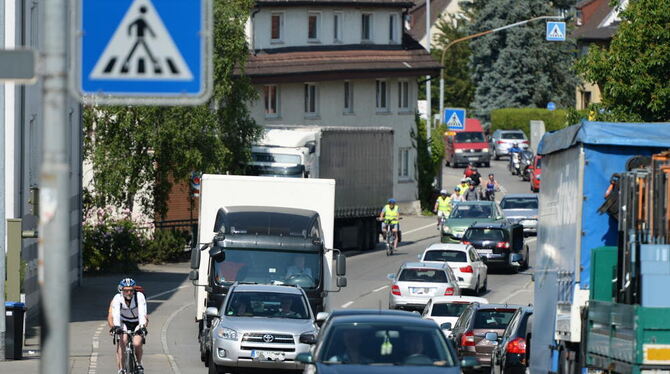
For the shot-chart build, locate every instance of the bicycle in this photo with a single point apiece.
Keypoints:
(130, 364)
(389, 240)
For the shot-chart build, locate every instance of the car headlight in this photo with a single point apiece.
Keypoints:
(447, 229)
(226, 333)
(485, 150)
(458, 151)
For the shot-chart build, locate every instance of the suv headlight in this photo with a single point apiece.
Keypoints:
(485, 150)
(447, 229)
(226, 333)
(458, 150)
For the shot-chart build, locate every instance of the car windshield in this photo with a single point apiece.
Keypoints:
(448, 309)
(275, 157)
(482, 234)
(266, 304)
(270, 267)
(423, 275)
(512, 135)
(444, 255)
(519, 203)
(471, 211)
(469, 137)
(493, 319)
(390, 344)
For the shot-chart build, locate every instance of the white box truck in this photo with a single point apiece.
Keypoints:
(256, 230)
(360, 159)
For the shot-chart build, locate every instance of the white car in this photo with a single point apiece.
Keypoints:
(445, 310)
(469, 268)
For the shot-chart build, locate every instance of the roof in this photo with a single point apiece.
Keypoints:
(592, 28)
(340, 62)
(477, 202)
(607, 133)
(384, 312)
(418, 12)
(456, 299)
(491, 225)
(351, 3)
(270, 210)
(499, 306)
(452, 246)
(403, 320)
(424, 265)
(267, 288)
(525, 195)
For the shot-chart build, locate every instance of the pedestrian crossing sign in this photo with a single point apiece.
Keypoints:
(556, 31)
(153, 52)
(454, 118)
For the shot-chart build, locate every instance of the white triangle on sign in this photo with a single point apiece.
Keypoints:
(141, 49)
(454, 121)
(556, 33)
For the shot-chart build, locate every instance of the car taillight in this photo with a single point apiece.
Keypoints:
(395, 290)
(525, 142)
(466, 269)
(517, 345)
(468, 339)
(502, 245)
(499, 142)
(449, 291)
(465, 242)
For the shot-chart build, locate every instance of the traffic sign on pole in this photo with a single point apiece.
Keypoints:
(551, 105)
(454, 118)
(556, 31)
(154, 52)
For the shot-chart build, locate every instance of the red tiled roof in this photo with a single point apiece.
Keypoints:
(352, 3)
(590, 29)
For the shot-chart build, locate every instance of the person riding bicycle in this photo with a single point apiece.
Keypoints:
(464, 185)
(471, 194)
(475, 176)
(390, 220)
(491, 187)
(456, 195)
(442, 206)
(128, 312)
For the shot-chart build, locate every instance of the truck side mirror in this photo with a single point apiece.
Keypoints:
(341, 264)
(195, 258)
(217, 253)
(341, 282)
(193, 275)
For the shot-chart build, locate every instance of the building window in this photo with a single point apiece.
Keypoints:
(277, 25)
(348, 97)
(366, 27)
(586, 99)
(382, 96)
(403, 95)
(393, 28)
(313, 26)
(271, 96)
(403, 163)
(337, 27)
(311, 99)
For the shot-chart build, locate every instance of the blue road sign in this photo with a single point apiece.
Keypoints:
(454, 118)
(556, 31)
(144, 51)
(551, 105)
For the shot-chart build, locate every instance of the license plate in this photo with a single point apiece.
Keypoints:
(421, 291)
(485, 251)
(267, 356)
(473, 158)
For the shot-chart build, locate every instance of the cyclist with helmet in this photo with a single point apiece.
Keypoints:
(442, 206)
(128, 312)
(456, 195)
(390, 217)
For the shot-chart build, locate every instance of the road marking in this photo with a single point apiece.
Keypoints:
(166, 292)
(524, 289)
(166, 350)
(346, 305)
(433, 225)
(380, 288)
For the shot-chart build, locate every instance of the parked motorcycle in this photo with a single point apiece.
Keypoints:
(525, 164)
(514, 165)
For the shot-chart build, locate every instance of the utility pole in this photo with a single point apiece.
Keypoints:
(3, 242)
(54, 265)
(429, 122)
(455, 41)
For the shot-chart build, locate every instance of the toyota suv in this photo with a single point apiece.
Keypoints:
(260, 326)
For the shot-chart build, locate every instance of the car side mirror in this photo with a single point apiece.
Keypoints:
(446, 326)
(321, 317)
(212, 311)
(492, 336)
(470, 362)
(341, 266)
(305, 358)
(390, 276)
(419, 256)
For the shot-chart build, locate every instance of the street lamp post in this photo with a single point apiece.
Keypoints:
(468, 37)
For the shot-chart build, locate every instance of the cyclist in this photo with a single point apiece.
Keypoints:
(491, 187)
(128, 312)
(442, 206)
(464, 185)
(390, 220)
(456, 196)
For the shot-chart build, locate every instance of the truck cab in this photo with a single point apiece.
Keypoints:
(467, 146)
(285, 152)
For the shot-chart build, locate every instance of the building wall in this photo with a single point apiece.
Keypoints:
(331, 113)
(587, 93)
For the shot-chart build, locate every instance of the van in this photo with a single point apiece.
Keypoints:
(467, 145)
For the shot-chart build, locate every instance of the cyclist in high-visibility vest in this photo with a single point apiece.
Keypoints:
(442, 206)
(390, 217)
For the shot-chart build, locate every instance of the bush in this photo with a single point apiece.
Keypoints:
(519, 118)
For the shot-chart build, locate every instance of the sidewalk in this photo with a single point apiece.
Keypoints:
(89, 304)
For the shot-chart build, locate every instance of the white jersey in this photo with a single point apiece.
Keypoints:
(135, 312)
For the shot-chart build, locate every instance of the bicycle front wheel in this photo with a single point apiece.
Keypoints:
(129, 361)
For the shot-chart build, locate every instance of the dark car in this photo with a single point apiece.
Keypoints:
(382, 344)
(512, 354)
(323, 318)
(502, 244)
(469, 332)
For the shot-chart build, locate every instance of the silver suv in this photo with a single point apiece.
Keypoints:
(260, 326)
(502, 140)
(417, 282)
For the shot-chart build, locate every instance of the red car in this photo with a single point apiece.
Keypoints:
(536, 172)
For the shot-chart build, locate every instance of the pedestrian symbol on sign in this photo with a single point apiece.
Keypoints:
(141, 39)
(556, 31)
(454, 121)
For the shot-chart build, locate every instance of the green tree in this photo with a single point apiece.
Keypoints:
(134, 149)
(633, 73)
(517, 67)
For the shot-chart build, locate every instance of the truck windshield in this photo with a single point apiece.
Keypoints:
(469, 137)
(267, 304)
(275, 157)
(269, 267)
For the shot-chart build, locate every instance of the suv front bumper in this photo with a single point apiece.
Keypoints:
(230, 353)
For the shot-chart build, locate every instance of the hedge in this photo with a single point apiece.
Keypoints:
(519, 118)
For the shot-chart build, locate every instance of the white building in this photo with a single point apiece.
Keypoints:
(340, 63)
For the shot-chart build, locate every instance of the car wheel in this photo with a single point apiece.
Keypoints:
(487, 164)
(484, 287)
(214, 368)
(495, 154)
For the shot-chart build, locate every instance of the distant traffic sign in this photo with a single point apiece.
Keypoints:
(454, 118)
(143, 51)
(556, 31)
(551, 105)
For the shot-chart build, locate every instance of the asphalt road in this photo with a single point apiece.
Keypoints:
(172, 344)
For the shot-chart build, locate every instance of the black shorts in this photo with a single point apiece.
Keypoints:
(130, 326)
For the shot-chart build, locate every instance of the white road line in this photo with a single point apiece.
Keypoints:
(380, 288)
(166, 350)
(510, 296)
(433, 225)
(167, 292)
(346, 305)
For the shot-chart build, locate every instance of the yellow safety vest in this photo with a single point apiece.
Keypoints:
(444, 204)
(391, 214)
(464, 188)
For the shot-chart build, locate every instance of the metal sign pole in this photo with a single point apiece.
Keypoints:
(3, 247)
(54, 264)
